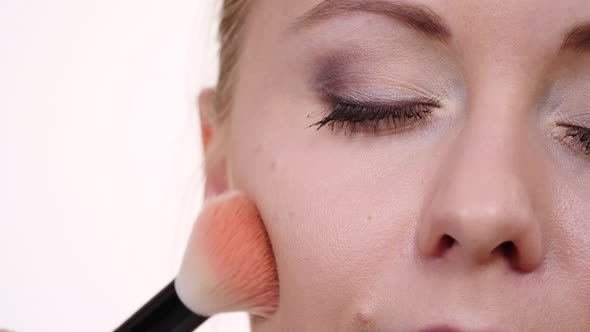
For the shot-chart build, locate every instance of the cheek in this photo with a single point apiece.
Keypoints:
(338, 211)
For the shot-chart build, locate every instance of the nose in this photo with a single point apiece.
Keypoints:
(482, 206)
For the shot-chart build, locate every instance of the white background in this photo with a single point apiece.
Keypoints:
(100, 169)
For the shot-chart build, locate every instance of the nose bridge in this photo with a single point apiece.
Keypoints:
(484, 169)
(482, 201)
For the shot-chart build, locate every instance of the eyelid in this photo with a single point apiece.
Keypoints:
(580, 119)
(359, 115)
(574, 137)
(379, 102)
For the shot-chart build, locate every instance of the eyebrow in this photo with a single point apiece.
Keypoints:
(578, 39)
(417, 17)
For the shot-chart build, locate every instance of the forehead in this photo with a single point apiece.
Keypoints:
(499, 9)
(526, 22)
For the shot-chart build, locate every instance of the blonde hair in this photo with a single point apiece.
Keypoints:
(233, 16)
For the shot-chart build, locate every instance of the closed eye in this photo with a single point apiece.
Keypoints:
(354, 117)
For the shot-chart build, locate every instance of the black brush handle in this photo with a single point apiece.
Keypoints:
(163, 313)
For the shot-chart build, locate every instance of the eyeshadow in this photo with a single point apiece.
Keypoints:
(329, 71)
(367, 76)
(344, 75)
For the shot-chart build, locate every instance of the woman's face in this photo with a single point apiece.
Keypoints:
(419, 164)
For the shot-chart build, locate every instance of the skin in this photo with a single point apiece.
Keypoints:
(361, 225)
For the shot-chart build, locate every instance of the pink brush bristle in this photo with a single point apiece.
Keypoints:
(229, 264)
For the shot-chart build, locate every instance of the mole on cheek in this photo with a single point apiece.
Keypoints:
(364, 320)
(258, 148)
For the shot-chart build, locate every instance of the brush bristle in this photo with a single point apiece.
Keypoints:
(229, 264)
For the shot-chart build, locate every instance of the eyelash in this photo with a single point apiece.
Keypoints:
(355, 117)
(577, 138)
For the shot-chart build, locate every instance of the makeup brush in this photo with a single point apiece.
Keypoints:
(228, 265)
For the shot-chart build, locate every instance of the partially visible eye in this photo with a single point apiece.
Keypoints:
(354, 117)
(577, 138)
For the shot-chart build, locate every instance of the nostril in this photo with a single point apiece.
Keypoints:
(509, 251)
(446, 242)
